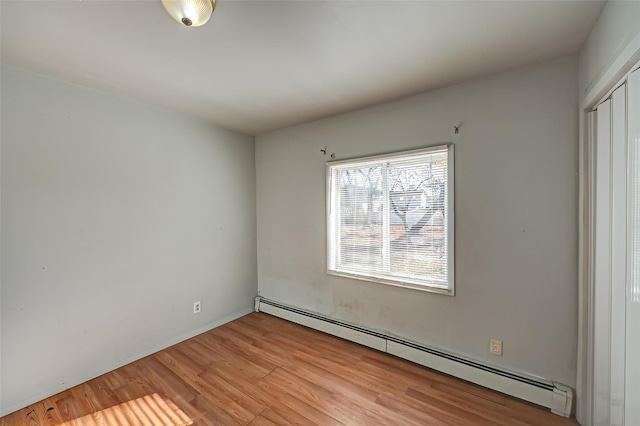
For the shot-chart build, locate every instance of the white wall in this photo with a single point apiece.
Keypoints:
(516, 239)
(617, 28)
(116, 217)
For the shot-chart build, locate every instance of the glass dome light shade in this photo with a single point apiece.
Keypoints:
(191, 13)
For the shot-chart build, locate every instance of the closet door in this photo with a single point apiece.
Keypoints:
(632, 376)
(618, 250)
(610, 260)
(602, 268)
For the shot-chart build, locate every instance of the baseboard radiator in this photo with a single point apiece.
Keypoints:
(555, 396)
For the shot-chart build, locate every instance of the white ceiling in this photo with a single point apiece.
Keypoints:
(263, 65)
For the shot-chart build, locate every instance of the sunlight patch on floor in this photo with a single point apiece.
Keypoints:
(149, 410)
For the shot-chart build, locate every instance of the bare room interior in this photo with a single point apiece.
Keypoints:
(319, 212)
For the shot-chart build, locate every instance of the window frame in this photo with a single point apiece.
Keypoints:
(332, 269)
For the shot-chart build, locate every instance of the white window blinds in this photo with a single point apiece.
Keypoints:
(390, 218)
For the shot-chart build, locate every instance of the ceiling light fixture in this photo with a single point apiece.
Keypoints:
(192, 13)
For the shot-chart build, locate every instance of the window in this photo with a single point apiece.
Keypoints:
(390, 219)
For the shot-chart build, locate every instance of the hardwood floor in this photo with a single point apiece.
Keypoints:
(261, 370)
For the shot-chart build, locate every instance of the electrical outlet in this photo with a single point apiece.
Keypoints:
(197, 307)
(495, 347)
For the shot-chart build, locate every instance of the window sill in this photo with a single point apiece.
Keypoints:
(404, 284)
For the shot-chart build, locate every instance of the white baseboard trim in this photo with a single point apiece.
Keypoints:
(78, 380)
(555, 396)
